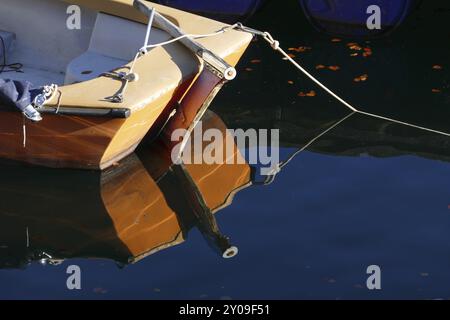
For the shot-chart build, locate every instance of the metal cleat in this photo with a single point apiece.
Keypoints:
(32, 114)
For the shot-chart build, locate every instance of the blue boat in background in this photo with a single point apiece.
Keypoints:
(225, 10)
(349, 17)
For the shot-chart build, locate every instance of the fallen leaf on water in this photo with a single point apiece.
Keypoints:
(354, 54)
(300, 49)
(320, 66)
(311, 93)
(255, 61)
(367, 52)
(336, 40)
(437, 67)
(361, 78)
(354, 46)
(248, 69)
(436, 90)
(290, 82)
(334, 68)
(357, 48)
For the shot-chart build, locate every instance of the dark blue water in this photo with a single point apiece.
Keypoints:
(368, 193)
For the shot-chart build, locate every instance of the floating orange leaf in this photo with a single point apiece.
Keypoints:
(437, 67)
(356, 48)
(255, 61)
(320, 66)
(334, 68)
(290, 82)
(336, 40)
(354, 54)
(311, 93)
(436, 90)
(248, 69)
(367, 52)
(361, 78)
(300, 49)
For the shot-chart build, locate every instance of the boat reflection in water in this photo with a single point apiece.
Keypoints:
(146, 204)
(141, 206)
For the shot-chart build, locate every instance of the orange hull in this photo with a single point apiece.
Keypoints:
(75, 138)
(57, 141)
(124, 213)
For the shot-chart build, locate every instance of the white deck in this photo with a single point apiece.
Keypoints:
(51, 53)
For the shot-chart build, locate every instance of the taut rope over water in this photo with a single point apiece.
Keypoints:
(276, 46)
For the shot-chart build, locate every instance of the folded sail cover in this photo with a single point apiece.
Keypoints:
(17, 94)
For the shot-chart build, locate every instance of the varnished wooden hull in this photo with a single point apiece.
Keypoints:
(97, 142)
(57, 141)
(125, 213)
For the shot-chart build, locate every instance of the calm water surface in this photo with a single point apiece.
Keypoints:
(369, 192)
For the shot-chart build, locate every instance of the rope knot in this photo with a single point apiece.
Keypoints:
(273, 43)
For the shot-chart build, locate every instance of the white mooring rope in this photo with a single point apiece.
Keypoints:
(146, 47)
(276, 46)
(192, 36)
(24, 132)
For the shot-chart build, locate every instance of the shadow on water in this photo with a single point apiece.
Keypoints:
(357, 196)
